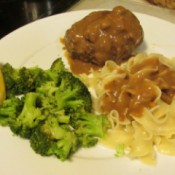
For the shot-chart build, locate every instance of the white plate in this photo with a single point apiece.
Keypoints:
(38, 44)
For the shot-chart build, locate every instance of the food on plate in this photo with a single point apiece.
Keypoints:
(104, 35)
(164, 3)
(139, 99)
(52, 108)
(127, 103)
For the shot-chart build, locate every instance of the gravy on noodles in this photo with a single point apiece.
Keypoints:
(138, 89)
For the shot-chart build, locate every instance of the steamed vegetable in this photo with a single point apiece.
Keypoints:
(52, 108)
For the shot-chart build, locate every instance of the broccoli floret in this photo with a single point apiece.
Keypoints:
(39, 142)
(48, 89)
(64, 148)
(68, 93)
(89, 127)
(54, 139)
(29, 79)
(56, 67)
(29, 118)
(10, 109)
(54, 112)
(66, 98)
(23, 80)
(72, 93)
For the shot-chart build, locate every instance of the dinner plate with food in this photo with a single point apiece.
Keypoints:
(88, 92)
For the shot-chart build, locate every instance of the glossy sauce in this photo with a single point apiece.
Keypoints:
(130, 95)
(78, 66)
(104, 35)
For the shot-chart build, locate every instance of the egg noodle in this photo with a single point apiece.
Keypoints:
(138, 98)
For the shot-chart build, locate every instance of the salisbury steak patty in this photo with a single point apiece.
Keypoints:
(104, 35)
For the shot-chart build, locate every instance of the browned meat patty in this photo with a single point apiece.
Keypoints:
(104, 35)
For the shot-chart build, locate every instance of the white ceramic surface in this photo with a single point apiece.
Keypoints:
(39, 44)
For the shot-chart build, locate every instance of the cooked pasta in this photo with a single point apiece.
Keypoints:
(138, 97)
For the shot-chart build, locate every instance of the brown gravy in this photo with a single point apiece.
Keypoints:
(78, 66)
(104, 35)
(130, 95)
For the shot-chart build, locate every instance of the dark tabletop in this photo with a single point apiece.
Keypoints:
(16, 13)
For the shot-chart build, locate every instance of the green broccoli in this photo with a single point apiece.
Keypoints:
(56, 67)
(53, 110)
(29, 118)
(72, 94)
(89, 127)
(23, 80)
(67, 93)
(10, 109)
(20, 81)
(52, 138)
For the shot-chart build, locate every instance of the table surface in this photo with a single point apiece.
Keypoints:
(141, 6)
(16, 13)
